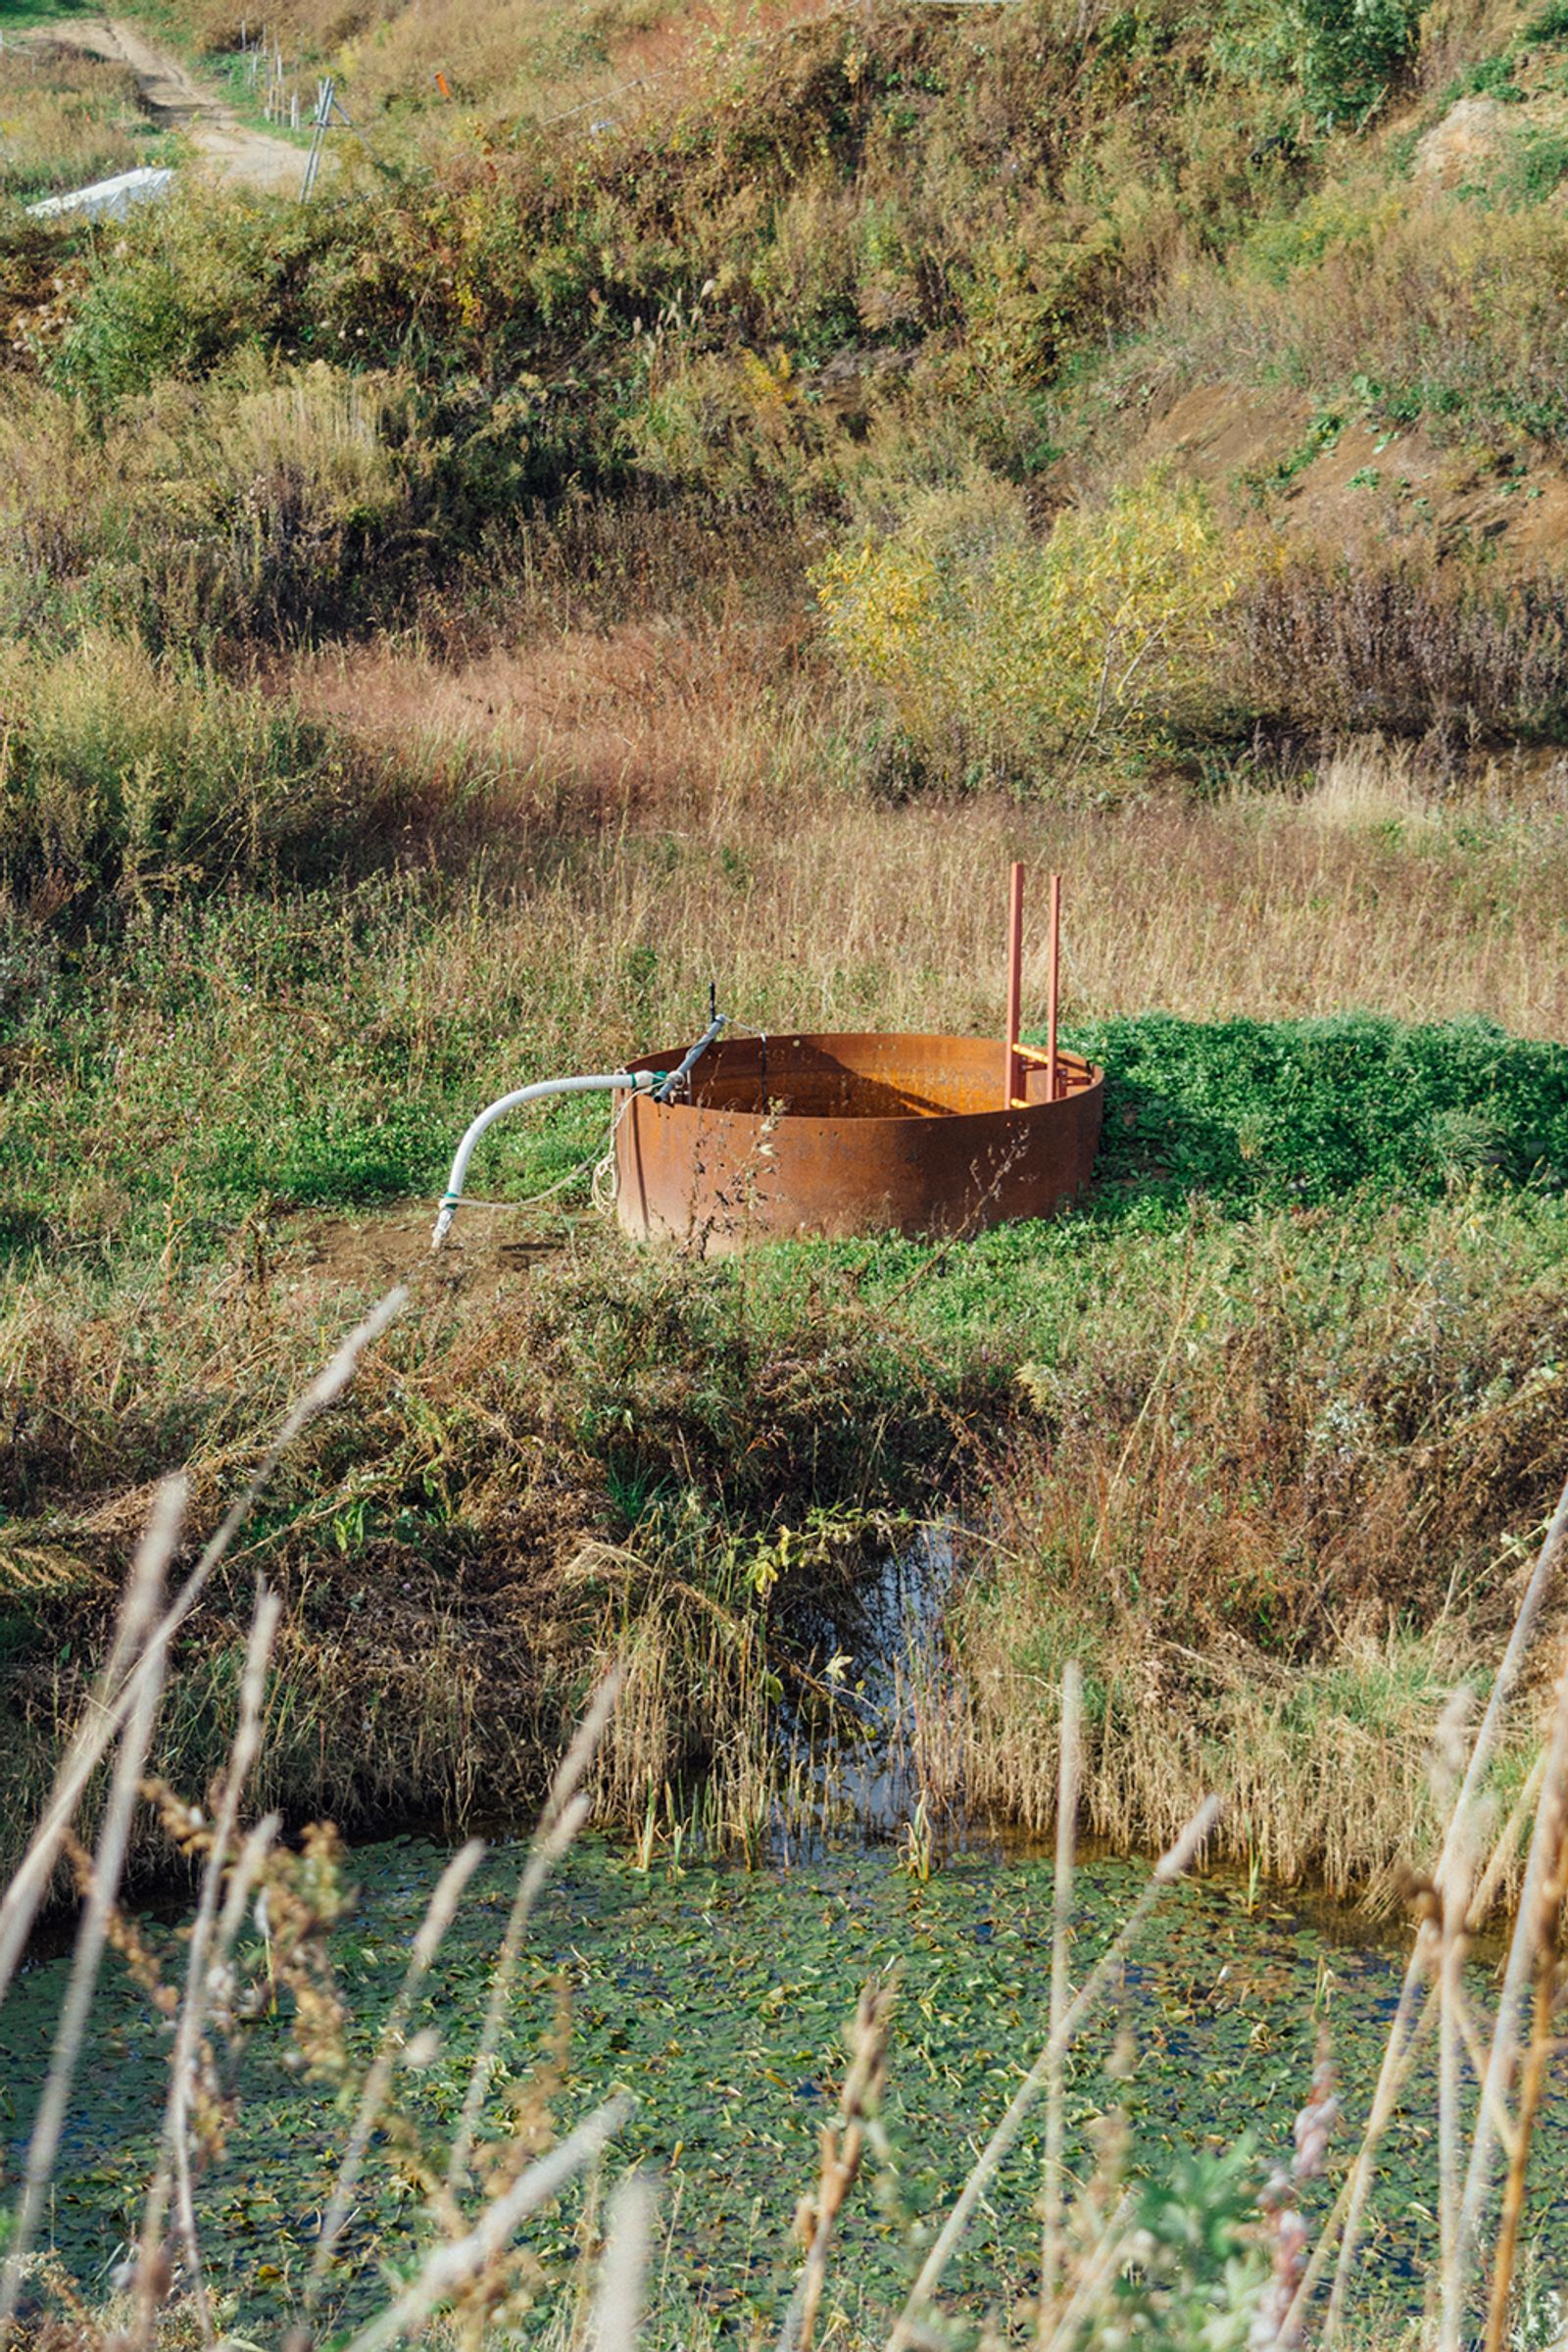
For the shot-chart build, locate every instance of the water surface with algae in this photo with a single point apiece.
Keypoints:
(718, 1995)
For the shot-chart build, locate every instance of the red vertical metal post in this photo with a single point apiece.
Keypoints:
(1015, 1068)
(1053, 988)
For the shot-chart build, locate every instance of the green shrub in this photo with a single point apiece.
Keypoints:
(187, 284)
(1343, 55)
(1000, 653)
(1534, 166)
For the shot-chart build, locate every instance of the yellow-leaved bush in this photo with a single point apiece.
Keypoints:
(1003, 652)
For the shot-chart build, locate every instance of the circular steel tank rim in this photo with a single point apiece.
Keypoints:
(918, 1157)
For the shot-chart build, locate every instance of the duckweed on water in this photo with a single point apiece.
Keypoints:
(718, 1997)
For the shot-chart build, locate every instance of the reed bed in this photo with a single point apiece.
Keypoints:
(1234, 2249)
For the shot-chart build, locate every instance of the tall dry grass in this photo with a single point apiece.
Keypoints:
(121, 773)
(68, 119)
(1405, 642)
(723, 826)
(245, 507)
(1376, 300)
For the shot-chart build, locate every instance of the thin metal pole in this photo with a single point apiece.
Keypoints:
(324, 115)
(1053, 988)
(1014, 1070)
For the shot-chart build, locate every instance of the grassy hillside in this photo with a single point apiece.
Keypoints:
(1218, 354)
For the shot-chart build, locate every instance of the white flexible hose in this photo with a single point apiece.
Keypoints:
(662, 1083)
(603, 1084)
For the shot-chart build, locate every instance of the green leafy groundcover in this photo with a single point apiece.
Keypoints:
(1290, 1113)
(718, 1997)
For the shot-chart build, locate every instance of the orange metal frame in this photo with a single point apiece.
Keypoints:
(1018, 1055)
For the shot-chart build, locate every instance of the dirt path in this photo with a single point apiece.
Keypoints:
(175, 102)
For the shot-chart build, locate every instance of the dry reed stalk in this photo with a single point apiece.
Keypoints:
(616, 2318)
(111, 1706)
(150, 1566)
(241, 1879)
(1400, 2056)
(1097, 2275)
(564, 1813)
(1542, 2049)
(841, 2154)
(1350, 2208)
(1170, 1867)
(438, 1916)
(1452, 1895)
(1540, 1871)
(149, 1570)
(174, 2157)
(1070, 1772)
(1493, 1876)
(91, 1742)
(452, 2265)
(1450, 1965)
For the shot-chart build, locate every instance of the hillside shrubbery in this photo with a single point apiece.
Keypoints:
(834, 275)
(800, 257)
(1002, 653)
(256, 503)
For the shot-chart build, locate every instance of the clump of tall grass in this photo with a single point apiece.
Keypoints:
(68, 119)
(1404, 645)
(244, 508)
(1437, 311)
(122, 773)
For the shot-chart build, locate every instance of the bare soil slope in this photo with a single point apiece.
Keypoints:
(1339, 477)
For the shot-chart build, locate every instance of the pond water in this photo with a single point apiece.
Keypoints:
(718, 1995)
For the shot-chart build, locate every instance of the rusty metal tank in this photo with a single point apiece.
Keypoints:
(840, 1135)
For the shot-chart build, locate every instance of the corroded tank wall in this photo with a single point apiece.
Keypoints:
(839, 1135)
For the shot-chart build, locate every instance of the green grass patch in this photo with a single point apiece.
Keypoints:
(302, 1050)
(21, 16)
(1280, 1113)
(295, 1052)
